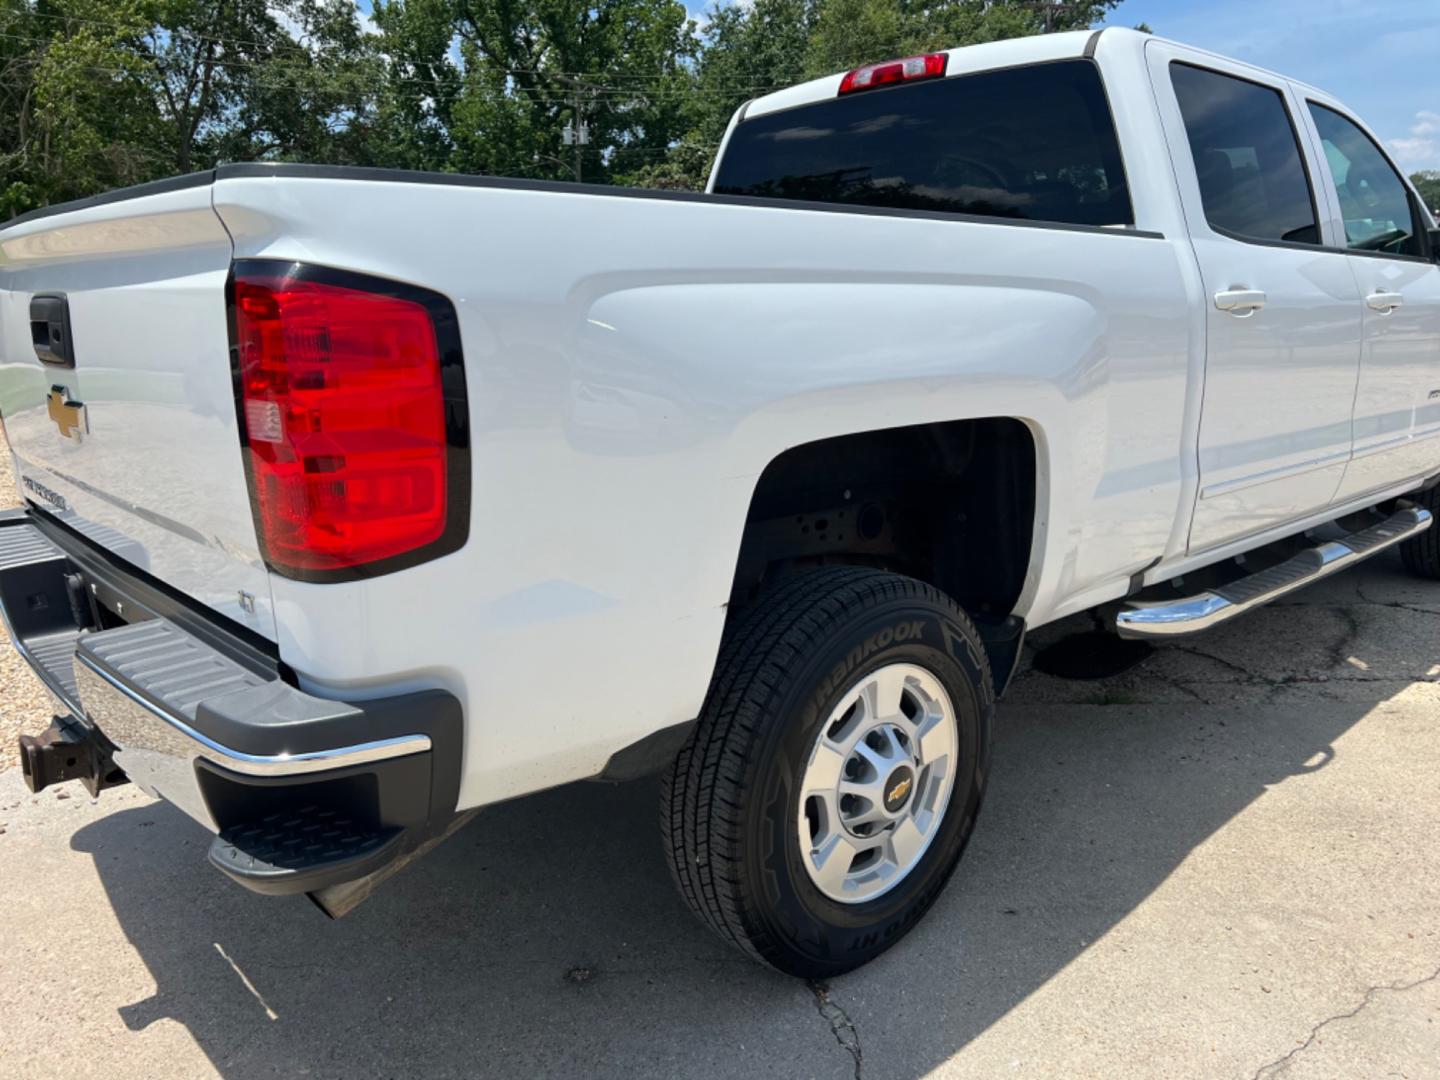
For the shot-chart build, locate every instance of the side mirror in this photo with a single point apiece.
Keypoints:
(1435, 245)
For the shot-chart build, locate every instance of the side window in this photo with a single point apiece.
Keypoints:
(1247, 155)
(1374, 201)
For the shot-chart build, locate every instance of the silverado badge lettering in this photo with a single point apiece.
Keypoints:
(42, 492)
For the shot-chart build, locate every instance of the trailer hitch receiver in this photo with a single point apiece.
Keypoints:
(68, 750)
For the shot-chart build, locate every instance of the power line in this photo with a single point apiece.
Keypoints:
(201, 36)
(557, 95)
(458, 78)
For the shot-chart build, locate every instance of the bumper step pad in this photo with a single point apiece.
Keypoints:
(161, 662)
(37, 607)
(296, 850)
(306, 793)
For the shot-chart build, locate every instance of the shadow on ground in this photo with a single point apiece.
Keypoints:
(546, 937)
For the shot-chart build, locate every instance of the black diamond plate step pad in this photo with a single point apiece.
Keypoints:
(284, 852)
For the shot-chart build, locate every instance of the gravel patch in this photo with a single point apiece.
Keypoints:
(25, 704)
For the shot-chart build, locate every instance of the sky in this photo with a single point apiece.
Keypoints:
(1380, 57)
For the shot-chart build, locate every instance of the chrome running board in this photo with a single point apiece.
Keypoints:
(1191, 614)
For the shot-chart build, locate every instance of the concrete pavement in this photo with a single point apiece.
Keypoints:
(1225, 863)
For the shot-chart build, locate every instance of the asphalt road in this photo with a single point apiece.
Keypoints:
(1224, 864)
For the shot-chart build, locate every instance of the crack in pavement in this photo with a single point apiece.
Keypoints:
(1280, 1063)
(841, 1026)
(1249, 674)
(1398, 605)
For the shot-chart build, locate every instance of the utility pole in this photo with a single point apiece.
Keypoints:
(577, 132)
(1048, 9)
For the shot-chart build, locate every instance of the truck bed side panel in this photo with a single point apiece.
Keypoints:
(631, 376)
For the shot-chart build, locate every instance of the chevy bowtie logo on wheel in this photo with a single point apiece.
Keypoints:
(899, 791)
(68, 416)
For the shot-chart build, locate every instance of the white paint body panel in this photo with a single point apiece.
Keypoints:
(1396, 421)
(1280, 381)
(629, 385)
(159, 477)
(627, 391)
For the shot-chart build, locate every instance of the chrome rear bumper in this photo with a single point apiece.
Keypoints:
(198, 715)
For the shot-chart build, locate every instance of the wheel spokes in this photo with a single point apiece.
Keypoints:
(832, 862)
(884, 692)
(825, 772)
(871, 814)
(879, 761)
(905, 842)
(934, 738)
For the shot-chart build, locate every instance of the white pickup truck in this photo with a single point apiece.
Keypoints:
(357, 500)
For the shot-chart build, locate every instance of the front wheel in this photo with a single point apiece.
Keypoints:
(834, 775)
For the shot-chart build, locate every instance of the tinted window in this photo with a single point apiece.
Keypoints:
(1373, 199)
(1035, 143)
(1247, 157)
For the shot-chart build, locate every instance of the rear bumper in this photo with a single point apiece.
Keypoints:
(303, 792)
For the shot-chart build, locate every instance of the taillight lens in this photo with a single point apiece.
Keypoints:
(343, 405)
(929, 66)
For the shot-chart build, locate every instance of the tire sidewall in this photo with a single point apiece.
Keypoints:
(823, 933)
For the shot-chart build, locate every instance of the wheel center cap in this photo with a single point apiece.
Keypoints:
(897, 789)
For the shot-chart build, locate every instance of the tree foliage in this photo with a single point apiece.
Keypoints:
(101, 93)
(1427, 183)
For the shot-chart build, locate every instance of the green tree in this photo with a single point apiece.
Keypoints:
(86, 120)
(243, 79)
(103, 93)
(491, 85)
(100, 93)
(1427, 183)
(422, 79)
(744, 52)
(850, 33)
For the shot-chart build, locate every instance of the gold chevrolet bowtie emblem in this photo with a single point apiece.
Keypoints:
(67, 415)
(899, 791)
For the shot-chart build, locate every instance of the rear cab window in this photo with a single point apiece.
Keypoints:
(1034, 143)
(1253, 181)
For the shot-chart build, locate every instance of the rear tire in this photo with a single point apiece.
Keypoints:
(740, 838)
(1422, 554)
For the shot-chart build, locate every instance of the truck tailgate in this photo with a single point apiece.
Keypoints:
(116, 389)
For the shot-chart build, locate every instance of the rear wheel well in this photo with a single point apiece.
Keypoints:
(951, 504)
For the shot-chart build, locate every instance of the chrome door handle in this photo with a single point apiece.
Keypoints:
(1384, 302)
(1241, 302)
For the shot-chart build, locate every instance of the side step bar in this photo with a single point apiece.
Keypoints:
(1191, 614)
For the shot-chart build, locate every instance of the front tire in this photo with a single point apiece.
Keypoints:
(1421, 555)
(850, 713)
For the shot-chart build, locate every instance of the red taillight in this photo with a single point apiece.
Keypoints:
(343, 406)
(929, 66)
